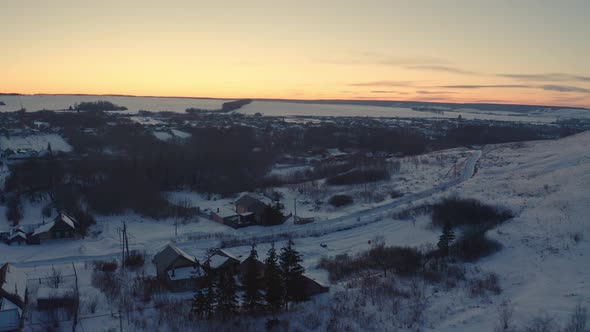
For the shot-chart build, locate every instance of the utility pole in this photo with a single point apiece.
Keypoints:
(77, 304)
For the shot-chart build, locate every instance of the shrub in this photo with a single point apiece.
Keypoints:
(457, 211)
(474, 244)
(358, 176)
(105, 266)
(135, 259)
(340, 200)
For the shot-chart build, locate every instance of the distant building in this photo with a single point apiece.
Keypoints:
(252, 208)
(13, 298)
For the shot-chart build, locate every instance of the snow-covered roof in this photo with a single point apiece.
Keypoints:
(220, 257)
(17, 234)
(13, 281)
(67, 219)
(44, 228)
(186, 272)
(226, 213)
(216, 261)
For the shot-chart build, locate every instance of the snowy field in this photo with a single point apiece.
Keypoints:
(281, 108)
(36, 142)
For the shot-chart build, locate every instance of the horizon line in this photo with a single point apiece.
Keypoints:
(289, 99)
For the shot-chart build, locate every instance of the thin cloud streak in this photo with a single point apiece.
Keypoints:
(491, 86)
(446, 69)
(384, 83)
(547, 77)
(565, 88)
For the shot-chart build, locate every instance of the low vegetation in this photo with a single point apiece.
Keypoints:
(340, 200)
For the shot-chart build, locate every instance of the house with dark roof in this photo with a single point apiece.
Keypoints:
(252, 208)
(13, 298)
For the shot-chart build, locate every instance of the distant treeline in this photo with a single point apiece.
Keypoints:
(225, 107)
(101, 105)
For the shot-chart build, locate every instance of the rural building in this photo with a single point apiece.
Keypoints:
(179, 270)
(312, 287)
(17, 236)
(61, 227)
(259, 265)
(13, 297)
(226, 216)
(221, 260)
(251, 208)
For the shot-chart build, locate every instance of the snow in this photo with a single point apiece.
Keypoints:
(53, 293)
(36, 142)
(180, 133)
(541, 265)
(162, 135)
(44, 228)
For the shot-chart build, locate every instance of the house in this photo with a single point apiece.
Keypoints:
(313, 287)
(252, 208)
(179, 270)
(13, 298)
(221, 260)
(226, 216)
(61, 227)
(18, 236)
(259, 265)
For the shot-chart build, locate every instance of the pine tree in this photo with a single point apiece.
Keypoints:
(273, 281)
(209, 292)
(291, 272)
(252, 296)
(445, 239)
(227, 300)
(199, 304)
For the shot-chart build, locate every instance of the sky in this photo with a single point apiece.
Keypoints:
(497, 51)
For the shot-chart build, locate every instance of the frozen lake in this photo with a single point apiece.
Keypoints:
(282, 108)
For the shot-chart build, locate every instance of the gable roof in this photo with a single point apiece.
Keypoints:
(247, 201)
(13, 286)
(169, 254)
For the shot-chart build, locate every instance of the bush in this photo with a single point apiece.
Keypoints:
(101, 105)
(135, 260)
(474, 244)
(105, 266)
(340, 200)
(457, 211)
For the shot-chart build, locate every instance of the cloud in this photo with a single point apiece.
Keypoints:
(383, 83)
(426, 92)
(547, 77)
(565, 88)
(383, 91)
(380, 59)
(491, 86)
(446, 69)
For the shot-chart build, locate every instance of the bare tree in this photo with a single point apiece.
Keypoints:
(578, 321)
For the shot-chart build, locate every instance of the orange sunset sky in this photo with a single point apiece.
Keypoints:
(502, 51)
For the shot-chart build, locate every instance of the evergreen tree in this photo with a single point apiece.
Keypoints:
(445, 239)
(273, 281)
(209, 292)
(291, 272)
(252, 296)
(199, 307)
(227, 300)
